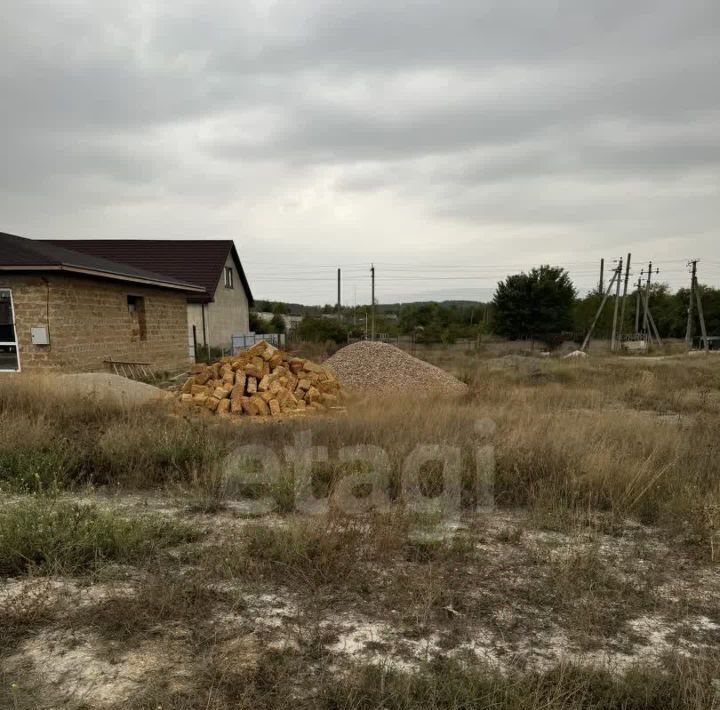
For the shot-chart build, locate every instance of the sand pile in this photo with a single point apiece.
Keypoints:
(109, 387)
(380, 368)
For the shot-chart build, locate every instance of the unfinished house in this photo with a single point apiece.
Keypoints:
(65, 311)
(221, 310)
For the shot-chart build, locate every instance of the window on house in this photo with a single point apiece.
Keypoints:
(9, 358)
(136, 307)
(228, 277)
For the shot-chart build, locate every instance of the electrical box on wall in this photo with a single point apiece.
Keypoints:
(40, 336)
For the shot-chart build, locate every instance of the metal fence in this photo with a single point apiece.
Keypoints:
(247, 340)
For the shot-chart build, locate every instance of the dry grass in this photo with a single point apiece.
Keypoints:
(273, 683)
(630, 438)
(603, 544)
(451, 686)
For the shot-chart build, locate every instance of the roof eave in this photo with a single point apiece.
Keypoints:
(243, 277)
(185, 288)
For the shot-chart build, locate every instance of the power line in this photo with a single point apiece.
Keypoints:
(395, 277)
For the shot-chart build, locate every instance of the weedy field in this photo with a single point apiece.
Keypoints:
(134, 573)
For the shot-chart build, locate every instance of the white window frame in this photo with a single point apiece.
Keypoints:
(10, 342)
(229, 277)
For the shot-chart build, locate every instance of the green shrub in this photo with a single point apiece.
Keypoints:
(38, 470)
(63, 537)
(35, 456)
(322, 330)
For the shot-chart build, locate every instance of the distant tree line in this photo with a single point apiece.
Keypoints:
(542, 304)
(669, 310)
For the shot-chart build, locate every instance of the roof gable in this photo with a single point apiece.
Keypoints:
(196, 261)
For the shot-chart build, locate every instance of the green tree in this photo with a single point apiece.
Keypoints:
(584, 312)
(277, 323)
(444, 322)
(669, 311)
(711, 309)
(536, 304)
(258, 324)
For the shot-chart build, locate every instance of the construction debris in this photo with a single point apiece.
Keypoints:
(380, 368)
(262, 381)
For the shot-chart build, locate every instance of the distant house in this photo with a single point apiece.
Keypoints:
(291, 322)
(68, 311)
(215, 315)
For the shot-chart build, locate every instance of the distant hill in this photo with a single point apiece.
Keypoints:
(397, 306)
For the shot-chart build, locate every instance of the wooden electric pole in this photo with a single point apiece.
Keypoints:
(617, 278)
(637, 304)
(372, 302)
(601, 287)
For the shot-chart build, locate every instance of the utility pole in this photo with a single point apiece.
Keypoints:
(599, 311)
(624, 298)
(649, 328)
(617, 278)
(601, 287)
(372, 303)
(637, 304)
(647, 296)
(339, 300)
(688, 332)
(695, 292)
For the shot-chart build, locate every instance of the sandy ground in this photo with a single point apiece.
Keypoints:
(499, 613)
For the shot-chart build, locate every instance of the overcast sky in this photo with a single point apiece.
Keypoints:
(449, 142)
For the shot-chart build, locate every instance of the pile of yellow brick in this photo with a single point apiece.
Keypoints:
(262, 381)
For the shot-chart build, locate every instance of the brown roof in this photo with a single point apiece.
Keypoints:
(196, 261)
(21, 254)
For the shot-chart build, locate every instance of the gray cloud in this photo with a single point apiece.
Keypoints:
(392, 124)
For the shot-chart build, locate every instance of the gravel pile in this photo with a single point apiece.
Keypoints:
(381, 368)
